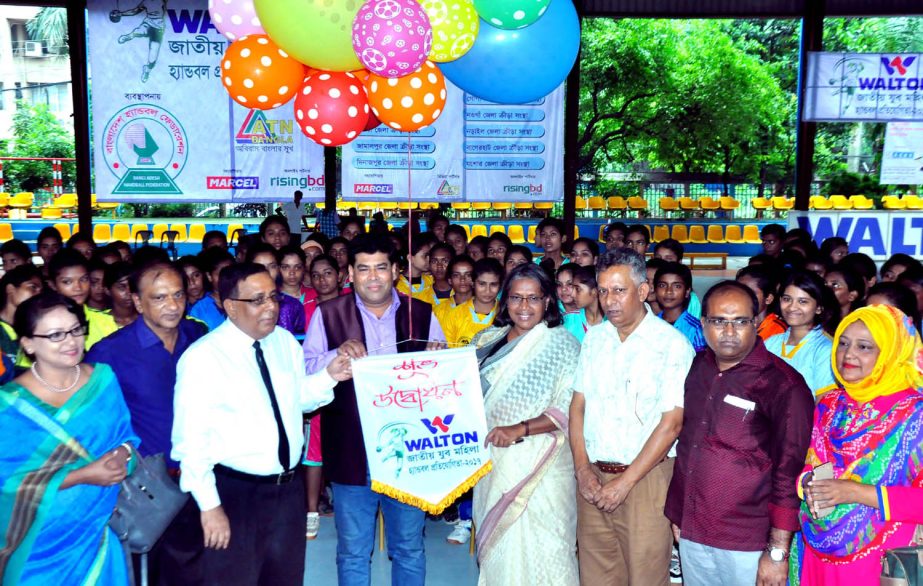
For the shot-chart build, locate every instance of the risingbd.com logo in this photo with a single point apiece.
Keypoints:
(439, 424)
(899, 64)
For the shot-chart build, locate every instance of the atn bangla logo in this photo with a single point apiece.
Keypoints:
(145, 147)
(258, 129)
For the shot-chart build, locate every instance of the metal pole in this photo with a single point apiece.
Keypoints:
(77, 37)
(330, 178)
(571, 143)
(812, 39)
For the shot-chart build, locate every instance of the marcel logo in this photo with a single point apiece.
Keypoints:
(380, 188)
(228, 182)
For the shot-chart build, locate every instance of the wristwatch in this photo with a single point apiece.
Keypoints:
(777, 554)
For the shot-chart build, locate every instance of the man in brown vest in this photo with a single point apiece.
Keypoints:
(374, 319)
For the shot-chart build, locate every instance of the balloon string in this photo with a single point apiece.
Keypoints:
(410, 331)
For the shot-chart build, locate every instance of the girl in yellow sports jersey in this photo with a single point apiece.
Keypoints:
(416, 281)
(460, 271)
(472, 316)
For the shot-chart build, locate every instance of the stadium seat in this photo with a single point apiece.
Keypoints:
(497, 228)
(752, 234)
(181, 234)
(480, 206)
(819, 202)
(516, 234)
(51, 213)
(66, 201)
(64, 230)
(407, 205)
(697, 235)
(728, 204)
(429, 205)
(461, 206)
(840, 202)
(893, 202)
(860, 202)
(687, 204)
(158, 231)
(680, 233)
(531, 238)
(733, 234)
(668, 205)
(596, 204)
(21, 203)
(760, 204)
(661, 233)
(715, 234)
(522, 206)
(478, 230)
(617, 203)
(387, 205)
(912, 202)
(709, 204)
(782, 203)
(232, 228)
(543, 206)
(602, 233)
(122, 232)
(135, 228)
(637, 204)
(580, 204)
(196, 233)
(467, 231)
(502, 206)
(102, 233)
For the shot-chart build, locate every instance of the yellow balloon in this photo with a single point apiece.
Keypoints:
(455, 27)
(316, 32)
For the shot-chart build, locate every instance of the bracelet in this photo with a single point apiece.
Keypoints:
(525, 424)
(127, 446)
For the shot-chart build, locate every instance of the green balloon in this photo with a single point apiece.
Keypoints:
(511, 14)
(316, 32)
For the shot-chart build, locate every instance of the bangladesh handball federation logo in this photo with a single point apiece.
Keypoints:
(145, 147)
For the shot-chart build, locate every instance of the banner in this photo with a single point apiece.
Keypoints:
(902, 158)
(423, 424)
(871, 87)
(475, 151)
(165, 129)
(875, 233)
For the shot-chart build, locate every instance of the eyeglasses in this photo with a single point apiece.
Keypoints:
(719, 323)
(273, 297)
(518, 299)
(76, 332)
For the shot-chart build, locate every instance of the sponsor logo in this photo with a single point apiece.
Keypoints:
(898, 64)
(522, 188)
(257, 129)
(439, 423)
(193, 21)
(447, 188)
(146, 148)
(232, 182)
(374, 188)
(902, 155)
(296, 181)
(897, 68)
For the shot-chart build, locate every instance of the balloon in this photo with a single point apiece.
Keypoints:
(392, 37)
(455, 27)
(520, 66)
(258, 74)
(363, 76)
(316, 32)
(408, 103)
(511, 14)
(235, 18)
(332, 108)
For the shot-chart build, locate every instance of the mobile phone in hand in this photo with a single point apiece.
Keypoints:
(823, 472)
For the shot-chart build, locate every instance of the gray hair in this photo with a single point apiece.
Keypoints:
(624, 257)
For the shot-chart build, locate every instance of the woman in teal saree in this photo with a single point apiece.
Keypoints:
(64, 430)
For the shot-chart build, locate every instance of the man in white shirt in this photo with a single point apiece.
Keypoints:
(294, 212)
(237, 434)
(625, 416)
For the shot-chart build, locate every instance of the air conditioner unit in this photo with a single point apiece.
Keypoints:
(33, 49)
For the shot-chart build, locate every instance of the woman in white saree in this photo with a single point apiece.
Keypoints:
(525, 508)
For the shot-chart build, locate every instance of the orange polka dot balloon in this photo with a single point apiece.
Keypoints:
(332, 107)
(411, 102)
(258, 74)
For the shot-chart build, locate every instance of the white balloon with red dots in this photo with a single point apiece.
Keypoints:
(332, 108)
(392, 38)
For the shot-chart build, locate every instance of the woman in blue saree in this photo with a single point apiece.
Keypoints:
(63, 452)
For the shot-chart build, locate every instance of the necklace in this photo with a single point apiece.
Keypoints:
(53, 388)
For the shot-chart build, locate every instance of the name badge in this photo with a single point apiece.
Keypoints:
(738, 402)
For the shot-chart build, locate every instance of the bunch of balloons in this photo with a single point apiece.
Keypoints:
(352, 65)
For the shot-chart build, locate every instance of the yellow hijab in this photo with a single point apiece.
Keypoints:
(901, 358)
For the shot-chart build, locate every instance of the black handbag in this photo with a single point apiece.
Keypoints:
(903, 566)
(148, 502)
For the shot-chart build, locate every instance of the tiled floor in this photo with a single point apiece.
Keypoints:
(445, 564)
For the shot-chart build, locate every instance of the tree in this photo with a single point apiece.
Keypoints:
(50, 26)
(37, 133)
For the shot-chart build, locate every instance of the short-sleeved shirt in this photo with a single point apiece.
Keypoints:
(810, 357)
(629, 385)
(462, 323)
(690, 327)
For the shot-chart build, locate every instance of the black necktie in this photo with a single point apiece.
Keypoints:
(284, 454)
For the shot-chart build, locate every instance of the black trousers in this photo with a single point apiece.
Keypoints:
(176, 560)
(267, 533)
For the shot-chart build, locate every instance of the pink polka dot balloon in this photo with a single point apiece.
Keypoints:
(392, 38)
(235, 18)
(332, 107)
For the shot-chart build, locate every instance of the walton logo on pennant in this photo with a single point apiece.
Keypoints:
(439, 423)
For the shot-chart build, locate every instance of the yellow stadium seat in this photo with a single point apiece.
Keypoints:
(121, 232)
(102, 233)
(429, 205)
(596, 203)
(196, 233)
(715, 234)
(709, 204)
(616, 203)
(522, 205)
(687, 204)
(819, 202)
(387, 205)
(733, 234)
(232, 228)
(782, 203)
(912, 202)
(531, 238)
(661, 233)
(51, 213)
(502, 206)
(407, 205)
(480, 206)
(516, 234)
(66, 201)
(158, 230)
(577, 231)
(728, 204)
(860, 202)
(602, 234)
(4, 199)
(752, 234)
(6, 232)
(697, 235)
(467, 231)
(668, 205)
(580, 204)
(64, 230)
(20, 204)
(366, 206)
(497, 228)
(841, 202)
(893, 202)
(637, 204)
(760, 204)
(543, 206)
(478, 230)
(680, 233)
(460, 206)
(181, 234)
(135, 228)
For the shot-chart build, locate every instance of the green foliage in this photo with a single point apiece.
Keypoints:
(37, 133)
(50, 26)
(844, 183)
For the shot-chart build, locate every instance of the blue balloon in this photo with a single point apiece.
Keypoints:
(517, 66)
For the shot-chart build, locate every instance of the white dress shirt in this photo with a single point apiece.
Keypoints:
(629, 385)
(222, 411)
